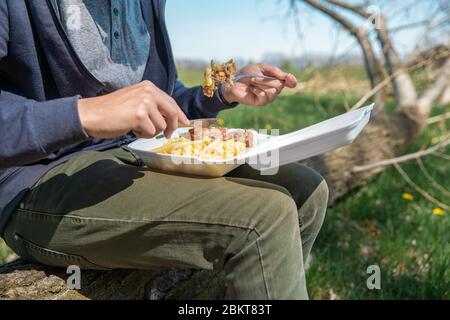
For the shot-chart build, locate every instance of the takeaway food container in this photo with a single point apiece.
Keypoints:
(267, 154)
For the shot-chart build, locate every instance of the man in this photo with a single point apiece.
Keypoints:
(73, 94)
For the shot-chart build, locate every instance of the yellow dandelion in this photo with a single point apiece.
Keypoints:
(438, 211)
(268, 127)
(220, 122)
(408, 196)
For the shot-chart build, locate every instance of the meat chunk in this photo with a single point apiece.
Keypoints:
(244, 136)
(217, 74)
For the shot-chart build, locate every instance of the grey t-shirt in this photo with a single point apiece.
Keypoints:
(109, 36)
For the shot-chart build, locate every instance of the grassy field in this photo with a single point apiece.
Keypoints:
(374, 225)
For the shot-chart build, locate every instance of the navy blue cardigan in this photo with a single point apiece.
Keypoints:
(40, 81)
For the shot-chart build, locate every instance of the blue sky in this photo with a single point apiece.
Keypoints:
(232, 28)
(221, 29)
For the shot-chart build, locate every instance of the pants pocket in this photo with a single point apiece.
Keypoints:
(32, 252)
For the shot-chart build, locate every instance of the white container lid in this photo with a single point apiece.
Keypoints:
(311, 141)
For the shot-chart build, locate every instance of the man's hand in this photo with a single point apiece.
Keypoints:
(143, 109)
(256, 91)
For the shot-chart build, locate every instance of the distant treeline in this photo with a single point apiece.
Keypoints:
(280, 60)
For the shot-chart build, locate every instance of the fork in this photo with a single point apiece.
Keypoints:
(208, 122)
(249, 75)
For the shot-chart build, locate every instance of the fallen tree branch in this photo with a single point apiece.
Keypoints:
(372, 92)
(425, 194)
(441, 155)
(436, 184)
(439, 118)
(439, 139)
(403, 158)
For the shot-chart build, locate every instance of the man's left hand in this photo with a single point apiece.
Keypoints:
(257, 91)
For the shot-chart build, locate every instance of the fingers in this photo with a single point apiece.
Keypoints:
(253, 95)
(290, 81)
(166, 114)
(172, 114)
(158, 121)
(182, 116)
(265, 96)
(171, 119)
(271, 88)
(272, 94)
(268, 84)
(261, 97)
(272, 71)
(240, 92)
(167, 102)
(145, 128)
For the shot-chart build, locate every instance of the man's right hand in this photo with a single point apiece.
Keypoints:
(143, 109)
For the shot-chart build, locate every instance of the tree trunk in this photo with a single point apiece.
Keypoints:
(404, 89)
(445, 97)
(22, 280)
(436, 90)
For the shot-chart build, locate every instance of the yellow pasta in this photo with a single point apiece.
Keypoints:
(207, 148)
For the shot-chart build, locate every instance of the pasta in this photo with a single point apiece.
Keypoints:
(206, 148)
(212, 144)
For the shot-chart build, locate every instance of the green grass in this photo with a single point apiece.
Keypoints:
(372, 225)
(5, 252)
(191, 77)
(287, 113)
(375, 225)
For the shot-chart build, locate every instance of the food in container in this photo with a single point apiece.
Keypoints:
(208, 143)
(265, 153)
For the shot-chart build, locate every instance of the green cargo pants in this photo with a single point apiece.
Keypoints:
(102, 210)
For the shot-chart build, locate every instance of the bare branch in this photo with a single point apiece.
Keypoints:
(412, 25)
(425, 194)
(436, 184)
(372, 64)
(437, 53)
(402, 83)
(404, 158)
(442, 155)
(349, 26)
(439, 118)
(370, 94)
(359, 10)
